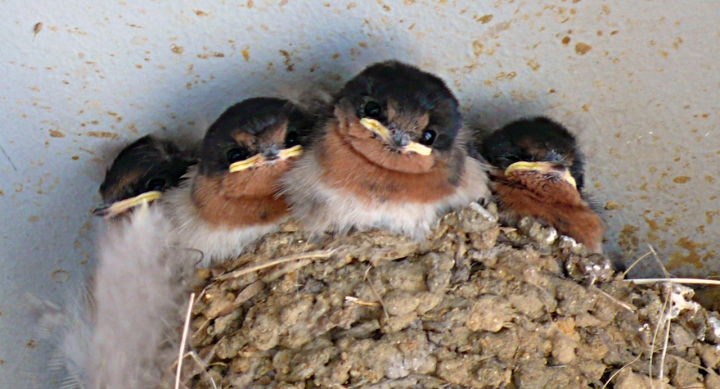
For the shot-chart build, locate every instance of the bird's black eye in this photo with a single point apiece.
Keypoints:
(291, 139)
(155, 184)
(510, 158)
(235, 155)
(372, 110)
(428, 137)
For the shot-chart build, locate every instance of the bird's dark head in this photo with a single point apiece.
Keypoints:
(536, 144)
(141, 172)
(394, 108)
(254, 141)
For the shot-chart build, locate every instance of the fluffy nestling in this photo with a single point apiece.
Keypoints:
(121, 328)
(392, 154)
(141, 172)
(230, 199)
(540, 173)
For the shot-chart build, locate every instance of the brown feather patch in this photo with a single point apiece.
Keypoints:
(254, 182)
(554, 202)
(412, 123)
(269, 137)
(354, 162)
(365, 143)
(127, 180)
(246, 198)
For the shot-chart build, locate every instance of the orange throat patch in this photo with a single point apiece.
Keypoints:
(556, 203)
(242, 199)
(357, 163)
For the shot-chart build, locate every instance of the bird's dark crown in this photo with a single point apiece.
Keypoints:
(145, 165)
(537, 139)
(250, 127)
(405, 98)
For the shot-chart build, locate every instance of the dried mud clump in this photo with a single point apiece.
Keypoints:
(477, 305)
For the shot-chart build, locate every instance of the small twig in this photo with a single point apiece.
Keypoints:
(377, 295)
(657, 259)
(624, 274)
(186, 328)
(285, 270)
(709, 371)
(198, 331)
(664, 349)
(613, 299)
(202, 366)
(289, 258)
(661, 322)
(619, 370)
(645, 281)
(361, 302)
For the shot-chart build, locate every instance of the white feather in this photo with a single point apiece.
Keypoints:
(216, 243)
(124, 332)
(321, 208)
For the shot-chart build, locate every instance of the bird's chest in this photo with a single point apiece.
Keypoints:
(247, 212)
(227, 209)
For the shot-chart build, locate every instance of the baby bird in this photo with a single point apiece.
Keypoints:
(141, 172)
(392, 155)
(118, 329)
(540, 174)
(230, 199)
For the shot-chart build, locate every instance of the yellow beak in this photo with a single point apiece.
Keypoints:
(382, 131)
(376, 127)
(119, 207)
(253, 161)
(542, 167)
(259, 160)
(294, 151)
(418, 148)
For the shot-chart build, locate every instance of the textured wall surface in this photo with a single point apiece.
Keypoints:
(639, 81)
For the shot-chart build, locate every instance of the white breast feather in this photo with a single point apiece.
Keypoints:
(321, 208)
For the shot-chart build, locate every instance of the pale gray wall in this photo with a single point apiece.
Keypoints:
(638, 80)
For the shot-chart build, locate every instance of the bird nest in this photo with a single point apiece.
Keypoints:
(476, 305)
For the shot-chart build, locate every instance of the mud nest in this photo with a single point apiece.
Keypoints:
(477, 305)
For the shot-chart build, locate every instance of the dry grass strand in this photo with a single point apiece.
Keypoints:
(288, 258)
(183, 341)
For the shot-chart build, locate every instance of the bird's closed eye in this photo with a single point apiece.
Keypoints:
(236, 154)
(155, 184)
(372, 110)
(512, 158)
(292, 139)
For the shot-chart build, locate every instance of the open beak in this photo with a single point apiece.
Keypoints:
(382, 131)
(119, 207)
(253, 161)
(542, 167)
(294, 151)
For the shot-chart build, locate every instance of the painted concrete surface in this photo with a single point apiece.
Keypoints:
(638, 81)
